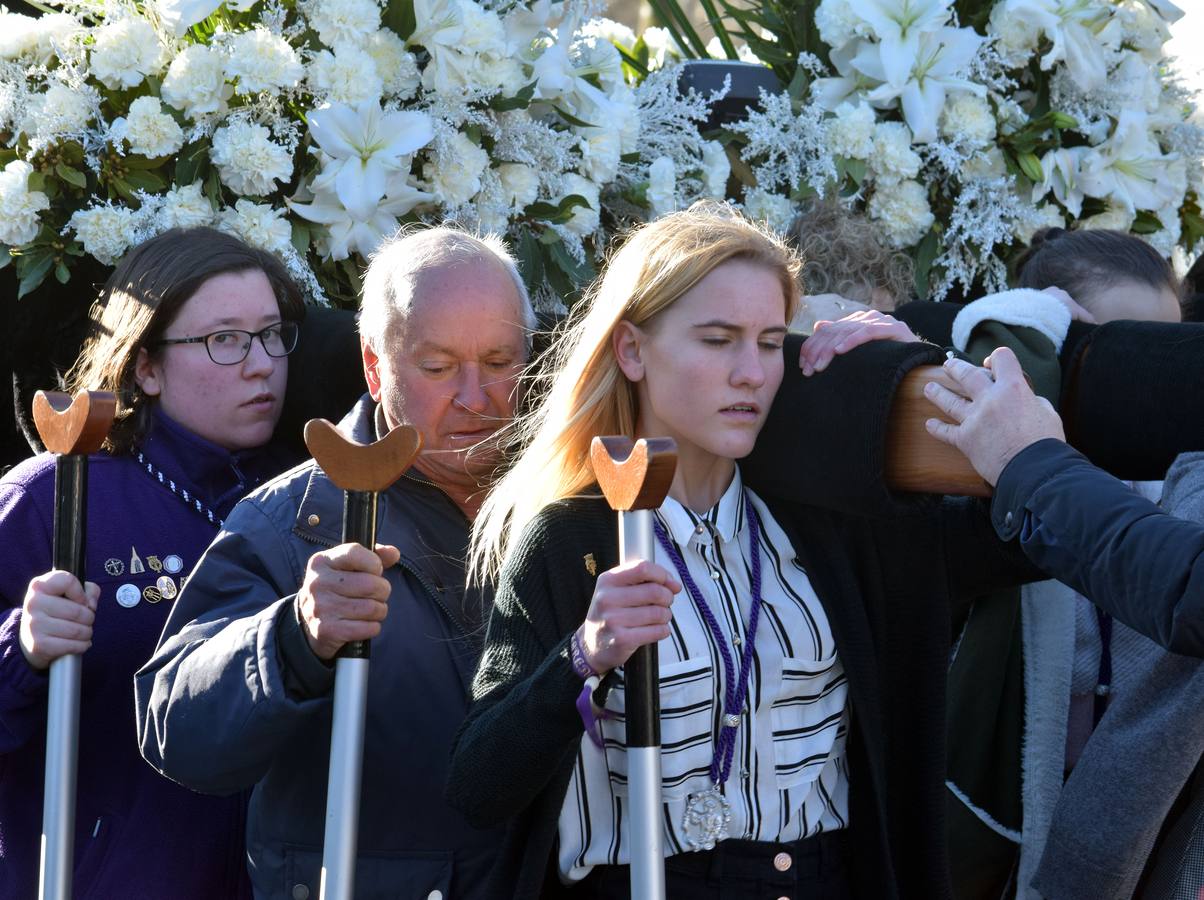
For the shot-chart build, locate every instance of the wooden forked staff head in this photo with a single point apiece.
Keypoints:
(915, 460)
(353, 466)
(74, 425)
(634, 475)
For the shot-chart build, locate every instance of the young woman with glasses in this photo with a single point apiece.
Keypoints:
(192, 332)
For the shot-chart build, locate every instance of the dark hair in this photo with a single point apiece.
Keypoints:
(1082, 262)
(142, 298)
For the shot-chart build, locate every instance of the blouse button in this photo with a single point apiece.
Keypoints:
(699, 530)
(714, 574)
(782, 862)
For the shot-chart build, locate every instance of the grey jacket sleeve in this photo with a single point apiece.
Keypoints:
(232, 679)
(1083, 527)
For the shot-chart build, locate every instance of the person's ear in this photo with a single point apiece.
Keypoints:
(147, 374)
(371, 369)
(627, 341)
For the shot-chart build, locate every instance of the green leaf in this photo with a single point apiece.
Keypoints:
(855, 169)
(33, 272)
(72, 152)
(571, 119)
(925, 254)
(1031, 167)
(1062, 120)
(71, 176)
(190, 161)
(638, 67)
(399, 16)
(134, 161)
(123, 189)
(141, 180)
(213, 189)
(675, 20)
(61, 273)
(300, 237)
(1145, 223)
(36, 181)
(521, 100)
(580, 273)
(559, 213)
(530, 260)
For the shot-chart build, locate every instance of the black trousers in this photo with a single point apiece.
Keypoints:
(812, 869)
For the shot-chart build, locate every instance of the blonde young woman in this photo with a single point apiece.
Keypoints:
(802, 652)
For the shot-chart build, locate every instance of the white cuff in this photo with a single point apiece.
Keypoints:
(1022, 306)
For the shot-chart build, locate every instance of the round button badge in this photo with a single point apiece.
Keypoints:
(128, 595)
(167, 587)
(173, 564)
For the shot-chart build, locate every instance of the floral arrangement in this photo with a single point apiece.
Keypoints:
(962, 127)
(314, 128)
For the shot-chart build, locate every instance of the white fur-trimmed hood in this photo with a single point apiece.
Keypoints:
(1021, 306)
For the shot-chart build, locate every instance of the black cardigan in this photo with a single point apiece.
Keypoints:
(886, 586)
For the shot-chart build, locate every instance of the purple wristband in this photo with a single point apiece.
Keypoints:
(590, 714)
(577, 657)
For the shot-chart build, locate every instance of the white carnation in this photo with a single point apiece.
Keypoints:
(984, 166)
(1116, 217)
(968, 118)
(105, 231)
(716, 169)
(455, 172)
(247, 159)
(893, 159)
(851, 131)
(584, 220)
(661, 46)
(262, 61)
(520, 184)
(17, 35)
(625, 119)
(185, 207)
(1047, 215)
(60, 111)
(149, 130)
(774, 209)
(838, 23)
(662, 186)
(397, 68)
(483, 30)
(258, 224)
(343, 22)
(610, 30)
(125, 52)
(349, 75)
(52, 33)
(19, 206)
(195, 82)
(600, 154)
(903, 210)
(1016, 35)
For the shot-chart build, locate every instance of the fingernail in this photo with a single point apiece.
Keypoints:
(930, 388)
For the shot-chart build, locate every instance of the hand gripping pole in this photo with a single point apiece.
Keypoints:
(71, 428)
(362, 471)
(635, 479)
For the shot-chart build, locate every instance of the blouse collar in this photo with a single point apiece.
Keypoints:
(724, 520)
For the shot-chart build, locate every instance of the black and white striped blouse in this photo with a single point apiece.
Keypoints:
(789, 778)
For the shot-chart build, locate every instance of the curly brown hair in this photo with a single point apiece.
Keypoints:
(845, 255)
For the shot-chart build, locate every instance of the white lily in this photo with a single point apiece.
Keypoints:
(1164, 8)
(1082, 34)
(524, 23)
(940, 56)
(349, 234)
(180, 15)
(1131, 170)
(436, 22)
(849, 85)
(1061, 168)
(365, 146)
(898, 24)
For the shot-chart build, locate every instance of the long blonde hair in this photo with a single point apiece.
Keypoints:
(588, 394)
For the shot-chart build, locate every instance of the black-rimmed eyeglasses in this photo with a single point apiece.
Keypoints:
(231, 346)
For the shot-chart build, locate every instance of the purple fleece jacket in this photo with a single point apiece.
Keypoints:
(137, 834)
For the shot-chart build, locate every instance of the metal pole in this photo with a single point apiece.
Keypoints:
(62, 713)
(637, 540)
(347, 728)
